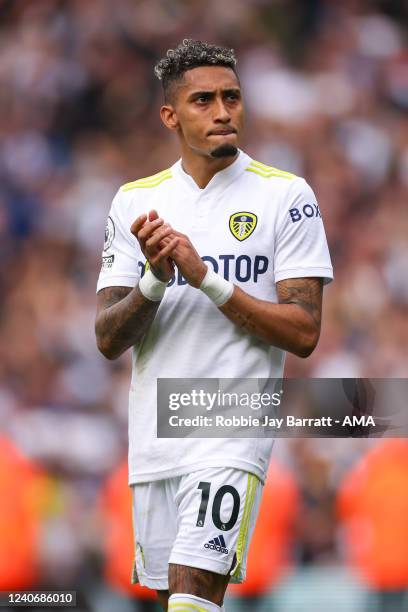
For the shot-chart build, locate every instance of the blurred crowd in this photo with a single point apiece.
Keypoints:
(326, 88)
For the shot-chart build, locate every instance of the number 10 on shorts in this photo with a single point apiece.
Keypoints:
(216, 506)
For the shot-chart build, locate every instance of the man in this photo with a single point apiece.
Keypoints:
(237, 258)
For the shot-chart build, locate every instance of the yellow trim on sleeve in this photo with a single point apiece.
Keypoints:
(269, 168)
(149, 181)
(185, 607)
(268, 171)
(269, 175)
(242, 542)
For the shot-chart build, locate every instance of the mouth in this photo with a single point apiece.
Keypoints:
(224, 132)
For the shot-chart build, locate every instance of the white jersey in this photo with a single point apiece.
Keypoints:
(255, 225)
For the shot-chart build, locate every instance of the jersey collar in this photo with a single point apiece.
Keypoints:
(219, 181)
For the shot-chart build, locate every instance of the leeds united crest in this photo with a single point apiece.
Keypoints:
(242, 225)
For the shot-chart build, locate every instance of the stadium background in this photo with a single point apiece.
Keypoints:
(326, 85)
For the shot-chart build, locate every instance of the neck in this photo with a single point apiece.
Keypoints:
(201, 167)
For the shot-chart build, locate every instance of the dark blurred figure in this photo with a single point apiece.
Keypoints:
(316, 525)
(373, 506)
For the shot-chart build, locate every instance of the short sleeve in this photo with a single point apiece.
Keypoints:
(121, 253)
(301, 247)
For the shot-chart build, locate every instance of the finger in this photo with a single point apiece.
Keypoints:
(158, 235)
(180, 247)
(138, 224)
(179, 234)
(168, 249)
(153, 215)
(184, 240)
(165, 241)
(148, 229)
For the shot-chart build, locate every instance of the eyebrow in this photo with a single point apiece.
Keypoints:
(197, 94)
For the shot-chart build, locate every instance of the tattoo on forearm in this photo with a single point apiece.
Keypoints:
(305, 292)
(113, 295)
(281, 325)
(243, 321)
(123, 317)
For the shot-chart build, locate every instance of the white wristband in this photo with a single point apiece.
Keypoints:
(216, 288)
(151, 287)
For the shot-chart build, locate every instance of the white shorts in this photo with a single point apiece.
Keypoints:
(204, 519)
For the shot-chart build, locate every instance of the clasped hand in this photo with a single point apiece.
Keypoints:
(165, 248)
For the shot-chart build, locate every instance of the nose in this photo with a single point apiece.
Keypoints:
(221, 114)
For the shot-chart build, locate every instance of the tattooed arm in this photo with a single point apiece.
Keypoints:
(123, 316)
(293, 324)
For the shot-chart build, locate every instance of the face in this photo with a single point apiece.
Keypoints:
(207, 111)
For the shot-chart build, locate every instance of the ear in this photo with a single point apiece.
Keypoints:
(169, 117)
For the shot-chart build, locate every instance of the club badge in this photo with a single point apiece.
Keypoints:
(242, 225)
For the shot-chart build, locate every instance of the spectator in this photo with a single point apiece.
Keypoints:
(373, 507)
(20, 519)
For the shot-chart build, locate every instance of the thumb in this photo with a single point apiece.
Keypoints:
(153, 215)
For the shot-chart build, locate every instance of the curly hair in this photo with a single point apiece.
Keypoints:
(191, 54)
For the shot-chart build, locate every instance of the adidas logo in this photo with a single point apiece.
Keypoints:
(217, 544)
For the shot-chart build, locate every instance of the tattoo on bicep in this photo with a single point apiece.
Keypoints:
(305, 292)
